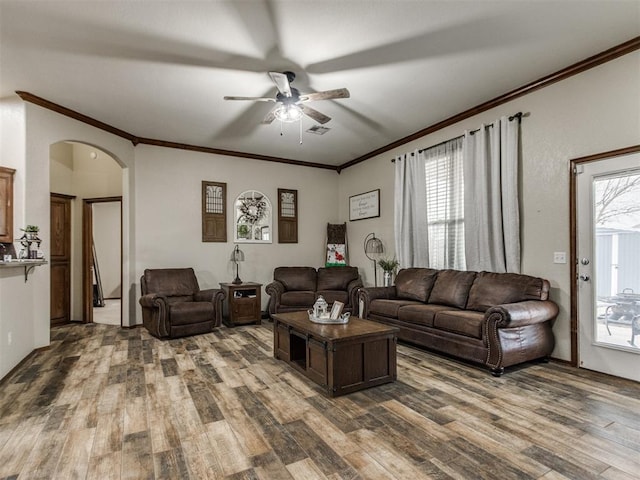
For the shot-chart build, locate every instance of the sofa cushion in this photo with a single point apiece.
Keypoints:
(415, 283)
(462, 322)
(298, 298)
(420, 314)
(296, 278)
(191, 312)
(491, 289)
(452, 288)
(336, 278)
(388, 308)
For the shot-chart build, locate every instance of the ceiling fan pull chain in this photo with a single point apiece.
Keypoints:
(281, 134)
(300, 131)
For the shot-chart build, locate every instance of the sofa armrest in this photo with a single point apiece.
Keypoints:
(367, 294)
(512, 315)
(153, 300)
(275, 289)
(209, 295)
(352, 293)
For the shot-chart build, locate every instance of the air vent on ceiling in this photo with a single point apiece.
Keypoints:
(318, 130)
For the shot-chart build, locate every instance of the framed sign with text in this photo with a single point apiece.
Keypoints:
(364, 205)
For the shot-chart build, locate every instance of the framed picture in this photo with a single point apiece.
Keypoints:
(336, 310)
(364, 205)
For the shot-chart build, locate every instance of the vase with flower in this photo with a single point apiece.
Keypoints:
(389, 267)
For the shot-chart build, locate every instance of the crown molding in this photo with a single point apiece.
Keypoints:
(586, 64)
(67, 112)
(231, 153)
(135, 140)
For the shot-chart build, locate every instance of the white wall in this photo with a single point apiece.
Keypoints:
(595, 111)
(168, 227)
(17, 298)
(106, 236)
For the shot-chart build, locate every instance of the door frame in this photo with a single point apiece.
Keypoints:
(87, 255)
(573, 225)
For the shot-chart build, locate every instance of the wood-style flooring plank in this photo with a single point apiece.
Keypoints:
(109, 403)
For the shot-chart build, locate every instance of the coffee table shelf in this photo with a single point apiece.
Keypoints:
(341, 358)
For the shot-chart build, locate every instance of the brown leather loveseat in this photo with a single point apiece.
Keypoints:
(297, 288)
(174, 306)
(496, 319)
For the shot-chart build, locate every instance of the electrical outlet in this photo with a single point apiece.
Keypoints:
(559, 257)
(9, 338)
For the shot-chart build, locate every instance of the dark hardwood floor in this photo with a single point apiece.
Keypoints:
(107, 403)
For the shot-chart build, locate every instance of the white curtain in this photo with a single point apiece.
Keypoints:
(410, 211)
(492, 221)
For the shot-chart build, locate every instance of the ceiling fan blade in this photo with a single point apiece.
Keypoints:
(282, 82)
(255, 99)
(316, 115)
(326, 95)
(269, 117)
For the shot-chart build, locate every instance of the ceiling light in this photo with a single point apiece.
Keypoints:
(288, 113)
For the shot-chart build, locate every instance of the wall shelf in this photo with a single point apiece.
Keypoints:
(27, 264)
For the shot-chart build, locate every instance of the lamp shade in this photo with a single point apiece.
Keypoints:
(237, 255)
(372, 245)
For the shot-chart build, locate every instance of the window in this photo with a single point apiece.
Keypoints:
(445, 205)
(253, 218)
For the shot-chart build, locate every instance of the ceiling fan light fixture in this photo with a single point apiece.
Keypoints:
(288, 113)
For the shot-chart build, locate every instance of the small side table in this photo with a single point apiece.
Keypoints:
(242, 305)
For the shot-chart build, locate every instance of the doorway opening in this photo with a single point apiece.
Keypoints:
(102, 260)
(84, 172)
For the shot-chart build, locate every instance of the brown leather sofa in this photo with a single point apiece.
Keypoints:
(297, 288)
(174, 306)
(496, 319)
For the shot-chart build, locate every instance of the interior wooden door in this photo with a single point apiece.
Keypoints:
(60, 259)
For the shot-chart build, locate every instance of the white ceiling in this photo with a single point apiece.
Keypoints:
(160, 69)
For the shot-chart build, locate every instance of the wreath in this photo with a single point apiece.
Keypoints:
(253, 209)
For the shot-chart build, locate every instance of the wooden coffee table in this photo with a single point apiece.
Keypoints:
(341, 358)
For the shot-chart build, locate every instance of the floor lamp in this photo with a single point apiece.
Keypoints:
(373, 246)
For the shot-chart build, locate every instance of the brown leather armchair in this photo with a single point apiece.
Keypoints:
(174, 306)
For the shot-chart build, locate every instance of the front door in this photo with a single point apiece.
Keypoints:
(608, 265)
(60, 259)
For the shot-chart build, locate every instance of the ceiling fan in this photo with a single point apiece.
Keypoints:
(291, 104)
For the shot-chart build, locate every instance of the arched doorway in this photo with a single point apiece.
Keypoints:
(78, 172)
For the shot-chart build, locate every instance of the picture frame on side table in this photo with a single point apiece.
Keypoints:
(364, 205)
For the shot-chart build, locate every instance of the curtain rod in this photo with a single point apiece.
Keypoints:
(513, 117)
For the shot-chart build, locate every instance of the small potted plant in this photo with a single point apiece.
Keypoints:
(31, 232)
(388, 266)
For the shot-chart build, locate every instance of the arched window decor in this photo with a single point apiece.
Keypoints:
(253, 214)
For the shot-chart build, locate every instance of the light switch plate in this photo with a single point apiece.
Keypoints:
(559, 257)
